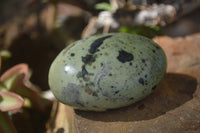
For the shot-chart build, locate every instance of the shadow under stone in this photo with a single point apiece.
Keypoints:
(173, 91)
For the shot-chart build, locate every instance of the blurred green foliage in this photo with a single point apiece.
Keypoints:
(148, 31)
(2, 3)
(5, 54)
(103, 6)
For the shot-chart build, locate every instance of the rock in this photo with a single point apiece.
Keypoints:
(173, 107)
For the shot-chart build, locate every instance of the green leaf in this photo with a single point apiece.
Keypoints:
(10, 101)
(13, 81)
(103, 6)
(5, 54)
(14, 77)
(6, 125)
(16, 80)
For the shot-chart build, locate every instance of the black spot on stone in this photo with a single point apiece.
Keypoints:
(60, 130)
(81, 104)
(130, 64)
(72, 54)
(116, 92)
(94, 94)
(97, 43)
(110, 74)
(121, 41)
(95, 106)
(141, 52)
(145, 76)
(153, 51)
(101, 64)
(84, 71)
(88, 59)
(131, 98)
(124, 56)
(143, 60)
(157, 47)
(154, 87)
(141, 81)
(112, 86)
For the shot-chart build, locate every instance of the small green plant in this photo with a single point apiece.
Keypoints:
(148, 31)
(15, 90)
(103, 6)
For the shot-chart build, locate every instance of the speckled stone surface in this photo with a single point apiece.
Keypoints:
(107, 71)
